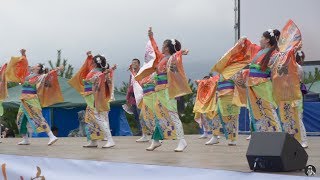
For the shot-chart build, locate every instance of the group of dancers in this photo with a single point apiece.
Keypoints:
(154, 89)
(262, 89)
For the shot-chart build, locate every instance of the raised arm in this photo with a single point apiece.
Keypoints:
(159, 55)
(57, 69)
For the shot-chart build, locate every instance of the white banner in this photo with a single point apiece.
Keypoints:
(25, 168)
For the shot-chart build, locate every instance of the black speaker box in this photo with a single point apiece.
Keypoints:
(275, 151)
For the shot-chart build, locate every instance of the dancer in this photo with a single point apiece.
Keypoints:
(291, 109)
(147, 107)
(231, 89)
(286, 80)
(228, 112)
(171, 83)
(230, 98)
(205, 107)
(146, 104)
(288, 74)
(40, 88)
(98, 90)
(200, 117)
(261, 105)
(300, 56)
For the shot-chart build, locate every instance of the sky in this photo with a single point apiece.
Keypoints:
(118, 29)
(257, 16)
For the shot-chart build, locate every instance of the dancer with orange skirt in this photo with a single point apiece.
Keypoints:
(40, 88)
(97, 92)
(171, 82)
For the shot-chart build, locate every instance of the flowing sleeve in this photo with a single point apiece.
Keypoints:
(17, 69)
(285, 79)
(77, 80)
(177, 80)
(240, 95)
(154, 45)
(285, 75)
(48, 89)
(101, 93)
(151, 63)
(254, 49)
(238, 57)
(136, 90)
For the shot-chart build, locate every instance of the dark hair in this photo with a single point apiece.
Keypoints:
(300, 59)
(103, 62)
(273, 41)
(172, 48)
(42, 70)
(136, 59)
(206, 77)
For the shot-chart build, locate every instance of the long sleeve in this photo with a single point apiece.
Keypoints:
(159, 55)
(150, 67)
(48, 89)
(274, 59)
(177, 80)
(17, 69)
(76, 80)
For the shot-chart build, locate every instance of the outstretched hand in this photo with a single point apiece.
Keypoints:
(23, 52)
(61, 68)
(114, 67)
(150, 33)
(185, 51)
(242, 39)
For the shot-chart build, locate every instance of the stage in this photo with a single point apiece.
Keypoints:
(197, 155)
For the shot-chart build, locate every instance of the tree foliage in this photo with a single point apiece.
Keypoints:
(68, 68)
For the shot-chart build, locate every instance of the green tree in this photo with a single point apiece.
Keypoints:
(187, 116)
(68, 70)
(189, 99)
(123, 88)
(8, 119)
(316, 74)
(310, 77)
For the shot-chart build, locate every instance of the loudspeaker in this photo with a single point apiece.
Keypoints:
(275, 151)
